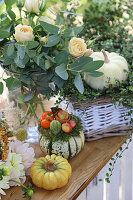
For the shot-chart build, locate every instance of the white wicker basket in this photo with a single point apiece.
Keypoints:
(100, 118)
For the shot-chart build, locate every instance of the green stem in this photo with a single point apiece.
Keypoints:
(27, 111)
(42, 107)
(33, 111)
(18, 183)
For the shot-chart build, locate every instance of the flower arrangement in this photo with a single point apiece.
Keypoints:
(41, 56)
(14, 168)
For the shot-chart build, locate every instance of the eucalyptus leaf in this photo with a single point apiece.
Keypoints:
(50, 58)
(79, 83)
(58, 81)
(54, 30)
(12, 83)
(80, 63)
(21, 51)
(58, 20)
(10, 50)
(21, 62)
(70, 32)
(8, 61)
(31, 44)
(52, 41)
(31, 53)
(27, 97)
(62, 57)
(96, 74)
(61, 71)
(92, 66)
(4, 34)
(1, 88)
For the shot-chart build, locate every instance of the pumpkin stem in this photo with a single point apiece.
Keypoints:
(50, 166)
(106, 60)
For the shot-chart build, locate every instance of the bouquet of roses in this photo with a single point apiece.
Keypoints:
(41, 54)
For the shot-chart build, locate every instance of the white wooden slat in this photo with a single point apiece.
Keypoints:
(127, 174)
(111, 190)
(95, 190)
(82, 196)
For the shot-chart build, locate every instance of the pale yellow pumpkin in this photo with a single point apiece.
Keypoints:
(115, 68)
(50, 172)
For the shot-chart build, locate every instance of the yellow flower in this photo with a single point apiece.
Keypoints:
(77, 47)
(23, 33)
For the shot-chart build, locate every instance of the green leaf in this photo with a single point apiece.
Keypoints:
(8, 61)
(79, 83)
(70, 32)
(62, 57)
(58, 20)
(21, 51)
(80, 63)
(31, 44)
(52, 41)
(58, 81)
(61, 71)
(50, 58)
(11, 14)
(77, 30)
(96, 74)
(4, 34)
(54, 30)
(9, 3)
(27, 97)
(1, 88)
(21, 62)
(31, 53)
(93, 66)
(10, 50)
(12, 83)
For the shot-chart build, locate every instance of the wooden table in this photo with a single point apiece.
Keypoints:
(85, 166)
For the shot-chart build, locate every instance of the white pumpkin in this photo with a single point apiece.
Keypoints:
(115, 67)
(67, 149)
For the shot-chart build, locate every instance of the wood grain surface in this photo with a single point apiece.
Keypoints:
(85, 167)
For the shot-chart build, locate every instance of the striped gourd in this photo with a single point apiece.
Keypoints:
(67, 149)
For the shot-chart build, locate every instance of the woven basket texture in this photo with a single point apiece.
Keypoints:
(100, 118)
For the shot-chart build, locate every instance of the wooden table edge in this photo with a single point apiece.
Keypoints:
(85, 184)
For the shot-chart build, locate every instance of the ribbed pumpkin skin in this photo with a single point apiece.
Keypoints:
(66, 149)
(50, 180)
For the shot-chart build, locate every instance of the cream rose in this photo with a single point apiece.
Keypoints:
(25, 21)
(77, 47)
(23, 33)
(32, 6)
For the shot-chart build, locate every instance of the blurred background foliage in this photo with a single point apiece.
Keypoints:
(111, 21)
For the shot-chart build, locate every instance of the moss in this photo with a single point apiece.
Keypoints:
(61, 135)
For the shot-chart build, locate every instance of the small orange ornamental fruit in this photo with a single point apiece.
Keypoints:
(45, 123)
(50, 172)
